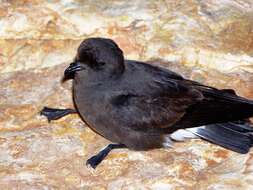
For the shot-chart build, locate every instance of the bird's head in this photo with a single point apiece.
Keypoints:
(99, 55)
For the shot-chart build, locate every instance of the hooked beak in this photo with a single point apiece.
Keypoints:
(70, 71)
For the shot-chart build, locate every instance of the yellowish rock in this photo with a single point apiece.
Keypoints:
(208, 41)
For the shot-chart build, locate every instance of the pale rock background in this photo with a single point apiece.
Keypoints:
(210, 41)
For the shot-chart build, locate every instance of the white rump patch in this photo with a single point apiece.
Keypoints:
(182, 135)
(167, 143)
(194, 130)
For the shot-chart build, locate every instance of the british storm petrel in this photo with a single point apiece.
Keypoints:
(142, 107)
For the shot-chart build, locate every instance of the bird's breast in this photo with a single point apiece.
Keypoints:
(94, 107)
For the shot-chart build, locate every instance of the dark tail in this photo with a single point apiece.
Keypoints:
(234, 136)
(218, 106)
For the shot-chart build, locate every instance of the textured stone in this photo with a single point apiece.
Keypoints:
(209, 41)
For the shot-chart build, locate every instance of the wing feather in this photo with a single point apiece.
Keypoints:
(158, 100)
(161, 99)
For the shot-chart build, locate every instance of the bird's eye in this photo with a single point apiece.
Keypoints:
(101, 63)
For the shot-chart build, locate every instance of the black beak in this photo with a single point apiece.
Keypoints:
(70, 71)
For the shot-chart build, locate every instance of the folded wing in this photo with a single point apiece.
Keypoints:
(163, 99)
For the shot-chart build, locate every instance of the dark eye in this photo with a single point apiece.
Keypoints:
(99, 65)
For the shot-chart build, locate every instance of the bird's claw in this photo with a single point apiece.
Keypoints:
(94, 161)
(49, 113)
(54, 113)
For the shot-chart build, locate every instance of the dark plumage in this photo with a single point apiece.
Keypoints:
(140, 105)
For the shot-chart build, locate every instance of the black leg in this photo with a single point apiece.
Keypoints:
(54, 114)
(95, 160)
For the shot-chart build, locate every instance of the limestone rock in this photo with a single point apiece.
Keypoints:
(209, 41)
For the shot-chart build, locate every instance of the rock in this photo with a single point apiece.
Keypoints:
(208, 41)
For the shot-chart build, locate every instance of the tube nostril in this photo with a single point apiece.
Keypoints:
(69, 73)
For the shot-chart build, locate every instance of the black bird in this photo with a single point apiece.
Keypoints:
(141, 107)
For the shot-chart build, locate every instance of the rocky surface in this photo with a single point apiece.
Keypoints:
(210, 41)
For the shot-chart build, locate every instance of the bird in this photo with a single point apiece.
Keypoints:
(140, 106)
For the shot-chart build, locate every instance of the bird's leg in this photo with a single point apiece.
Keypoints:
(95, 160)
(54, 113)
